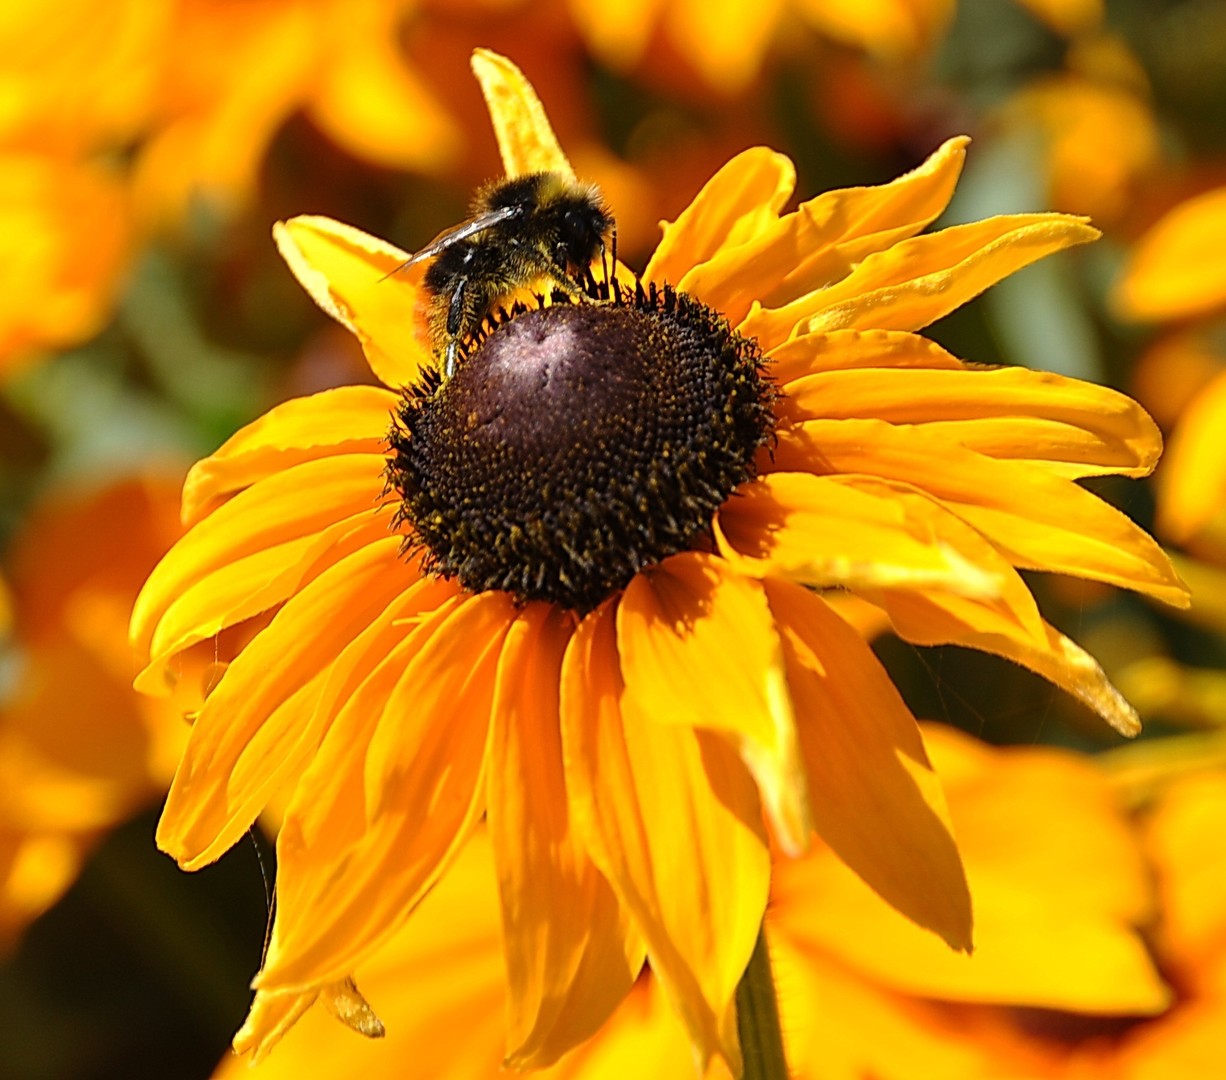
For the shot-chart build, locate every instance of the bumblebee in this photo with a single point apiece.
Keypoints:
(537, 227)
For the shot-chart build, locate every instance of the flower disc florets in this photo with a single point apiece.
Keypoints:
(578, 443)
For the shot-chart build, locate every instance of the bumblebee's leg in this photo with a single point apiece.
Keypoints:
(455, 318)
(449, 358)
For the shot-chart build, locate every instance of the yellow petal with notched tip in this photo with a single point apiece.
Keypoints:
(351, 275)
(740, 202)
(1067, 427)
(824, 239)
(1038, 521)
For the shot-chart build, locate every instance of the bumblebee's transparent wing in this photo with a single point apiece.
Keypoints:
(455, 234)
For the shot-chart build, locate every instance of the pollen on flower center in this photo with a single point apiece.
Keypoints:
(577, 444)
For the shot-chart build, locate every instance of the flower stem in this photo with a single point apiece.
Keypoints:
(757, 1018)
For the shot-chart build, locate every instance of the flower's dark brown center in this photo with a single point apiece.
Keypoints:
(577, 444)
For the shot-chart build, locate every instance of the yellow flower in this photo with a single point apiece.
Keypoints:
(625, 736)
(79, 750)
(1062, 894)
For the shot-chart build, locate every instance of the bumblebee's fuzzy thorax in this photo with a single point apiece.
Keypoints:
(540, 230)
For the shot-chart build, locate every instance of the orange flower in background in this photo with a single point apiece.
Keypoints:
(726, 44)
(235, 73)
(79, 750)
(1099, 135)
(1065, 899)
(1176, 274)
(56, 291)
(660, 676)
(1177, 271)
(116, 120)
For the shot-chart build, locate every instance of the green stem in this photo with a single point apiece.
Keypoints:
(757, 1018)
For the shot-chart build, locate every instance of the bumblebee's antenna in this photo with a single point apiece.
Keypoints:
(396, 269)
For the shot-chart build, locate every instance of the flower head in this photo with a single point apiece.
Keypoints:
(629, 669)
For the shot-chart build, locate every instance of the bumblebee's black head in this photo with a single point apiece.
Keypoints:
(583, 224)
(555, 210)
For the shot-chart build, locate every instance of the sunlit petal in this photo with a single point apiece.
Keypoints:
(351, 275)
(699, 647)
(1056, 917)
(248, 586)
(876, 799)
(698, 888)
(261, 725)
(571, 955)
(824, 239)
(740, 202)
(816, 530)
(915, 282)
(836, 350)
(1068, 427)
(525, 136)
(345, 420)
(392, 793)
(1038, 521)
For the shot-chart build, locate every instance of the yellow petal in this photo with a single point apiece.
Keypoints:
(699, 648)
(1059, 883)
(271, 1016)
(271, 512)
(825, 238)
(917, 281)
(249, 585)
(346, 420)
(841, 349)
(1192, 482)
(525, 137)
(571, 955)
(391, 796)
(346, 272)
(741, 201)
(840, 531)
(437, 986)
(1008, 626)
(1178, 268)
(1069, 427)
(876, 800)
(1039, 521)
(671, 817)
(258, 729)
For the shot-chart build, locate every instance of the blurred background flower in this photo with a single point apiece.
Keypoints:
(145, 149)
